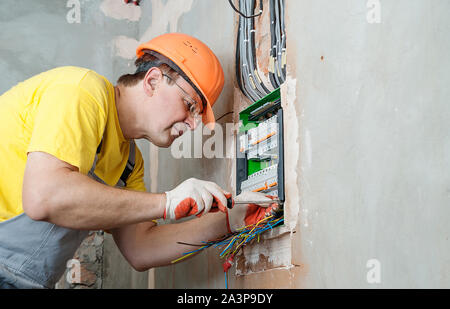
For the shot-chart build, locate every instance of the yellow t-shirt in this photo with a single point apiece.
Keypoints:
(65, 112)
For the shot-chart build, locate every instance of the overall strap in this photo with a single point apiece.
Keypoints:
(91, 172)
(126, 172)
(129, 167)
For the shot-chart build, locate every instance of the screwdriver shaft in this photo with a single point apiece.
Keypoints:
(230, 202)
(257, 202)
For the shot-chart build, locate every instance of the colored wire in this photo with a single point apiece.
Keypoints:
(232, 243)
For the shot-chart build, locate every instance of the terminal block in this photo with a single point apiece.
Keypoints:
(260, 153)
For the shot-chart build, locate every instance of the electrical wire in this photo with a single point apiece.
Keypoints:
(283, 41)
(226, 114)
(232, 243)
(274, 44)
(260, 88)
(245, 16)
(255, 89)
(247, 72)
(278, 41)
(245, 50)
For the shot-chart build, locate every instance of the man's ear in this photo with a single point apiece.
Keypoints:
(152, 80)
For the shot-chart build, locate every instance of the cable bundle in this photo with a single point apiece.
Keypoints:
(249, 81)
(232, 243)
(277, 67)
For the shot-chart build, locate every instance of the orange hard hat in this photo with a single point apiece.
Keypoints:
(196, 61)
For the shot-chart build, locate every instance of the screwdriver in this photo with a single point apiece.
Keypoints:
(230, 202)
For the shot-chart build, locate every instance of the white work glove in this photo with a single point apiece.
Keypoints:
(194, 197)
(242, 215)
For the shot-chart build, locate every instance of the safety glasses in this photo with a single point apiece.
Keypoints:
(192, 106)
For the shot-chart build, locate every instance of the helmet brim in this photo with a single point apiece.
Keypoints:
(208, 118)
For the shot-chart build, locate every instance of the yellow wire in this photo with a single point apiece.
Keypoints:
(254, 226)
(244, 236)
(249, 233)
(185, 256)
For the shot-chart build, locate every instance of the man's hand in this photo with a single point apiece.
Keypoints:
(242, 215)
(194, 197)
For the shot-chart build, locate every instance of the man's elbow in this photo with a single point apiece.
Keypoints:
(139, 264)
(35, 205)
(140, 267)
(140, 261)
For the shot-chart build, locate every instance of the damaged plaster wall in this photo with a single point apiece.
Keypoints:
(273, 256)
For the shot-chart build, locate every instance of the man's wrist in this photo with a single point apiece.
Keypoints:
(162, 205)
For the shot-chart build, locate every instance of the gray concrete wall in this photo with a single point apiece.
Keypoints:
(373, 138)
(213, 23)
(368, 150)
(37, 36)
(368, 139)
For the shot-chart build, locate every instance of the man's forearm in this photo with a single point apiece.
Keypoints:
(76, 201)
(146, 246)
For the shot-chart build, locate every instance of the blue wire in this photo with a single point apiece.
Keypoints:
(232, 240)
(202, 248)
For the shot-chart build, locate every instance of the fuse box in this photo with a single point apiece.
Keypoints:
(259, 148)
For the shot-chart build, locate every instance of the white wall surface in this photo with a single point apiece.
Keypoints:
(374, 123)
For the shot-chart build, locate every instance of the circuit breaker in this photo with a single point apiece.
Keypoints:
(259, 148)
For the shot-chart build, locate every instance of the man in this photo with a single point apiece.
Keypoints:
(69, 163)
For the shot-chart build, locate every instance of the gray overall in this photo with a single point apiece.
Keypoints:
(33, 254)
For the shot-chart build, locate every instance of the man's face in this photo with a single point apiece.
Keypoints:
(174, 108)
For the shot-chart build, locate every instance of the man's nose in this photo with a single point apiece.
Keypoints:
(192, 122)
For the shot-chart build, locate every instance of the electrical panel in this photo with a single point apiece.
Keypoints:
(259, 148)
